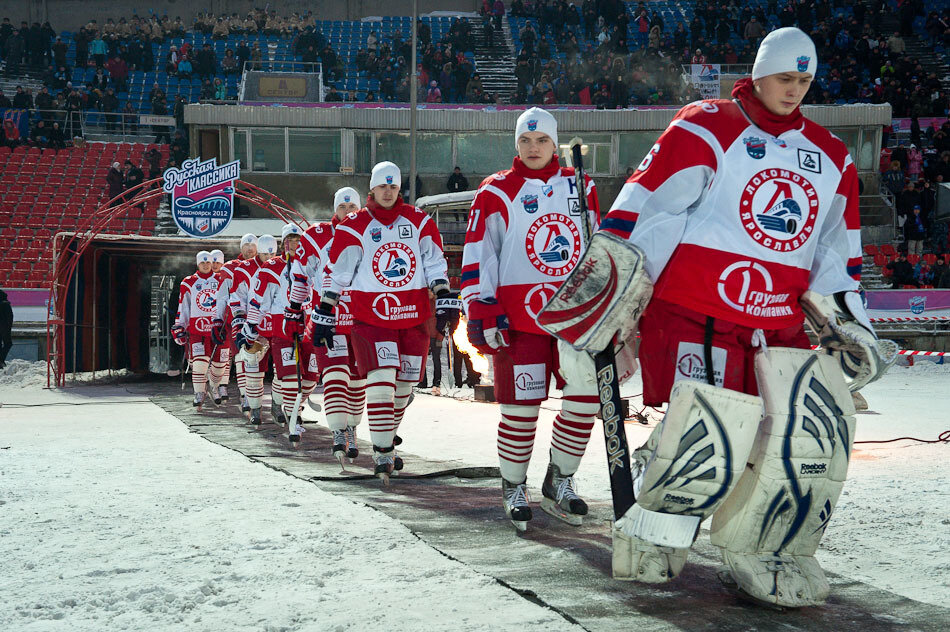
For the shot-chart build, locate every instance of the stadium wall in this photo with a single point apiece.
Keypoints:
(71, 14)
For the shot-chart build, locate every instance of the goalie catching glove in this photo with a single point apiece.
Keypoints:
(606, 293)
(844, 330)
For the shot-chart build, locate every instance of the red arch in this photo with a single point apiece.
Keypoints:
(69, 248)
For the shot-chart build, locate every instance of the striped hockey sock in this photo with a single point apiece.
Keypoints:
(572, 428)
(401, 402)
(380, 392)
(356, 400)
(516, 440)
(335, 401)
(199, 373)
(254, 388)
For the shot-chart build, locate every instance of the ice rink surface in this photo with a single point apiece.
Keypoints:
(115, 516)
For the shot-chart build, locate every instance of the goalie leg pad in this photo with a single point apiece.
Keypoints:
(770, 526)
(605, 293)
(687, 468)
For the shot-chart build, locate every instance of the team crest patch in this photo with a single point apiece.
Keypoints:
(533, 125)
(376, 234)
(389, 179)
(809, 160)
(530, 203)
(547, 190)
(778, 209)
(917, 304)
(553, 244)
(405, 232)
(781, 143)
(803, 63)
(346, 198)
(755, 147)
(394, 265)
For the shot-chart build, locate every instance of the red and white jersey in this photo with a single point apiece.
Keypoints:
(269, 296)
(309, 276)
(241, 285)
(737, 223)
(387, 259)
(225, 283)
(196, 303)
(524, 237)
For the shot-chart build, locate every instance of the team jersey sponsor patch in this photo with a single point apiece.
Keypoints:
(530, 381)
(553, 244)
(197, 349)
(287, 356)
(339, 349)
(778, 209)
(747, 287)
(312, 364)
(410, 368)
(387, 306)
(691, 363)
(537, 297)
(387, 354)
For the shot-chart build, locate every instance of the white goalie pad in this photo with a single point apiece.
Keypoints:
(605, 293)
(706, 437)
(770, 526)
(577, 367)
(252, 357)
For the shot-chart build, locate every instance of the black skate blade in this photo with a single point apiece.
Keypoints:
(384, 477)
(294, 441)
(340, 457)
(725, 577)
(550, 507)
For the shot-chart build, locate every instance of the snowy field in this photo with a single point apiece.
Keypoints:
(113, 516)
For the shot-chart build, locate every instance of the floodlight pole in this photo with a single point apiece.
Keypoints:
(413, 102)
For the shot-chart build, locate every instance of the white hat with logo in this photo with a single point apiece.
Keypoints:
(785, 50)
(385, 173)
(536, 120)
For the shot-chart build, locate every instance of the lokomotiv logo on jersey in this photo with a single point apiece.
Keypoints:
(205, 299)
(553, 244)
(778, 209)
(394, 265)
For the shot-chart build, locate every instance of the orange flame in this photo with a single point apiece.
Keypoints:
(460, 338)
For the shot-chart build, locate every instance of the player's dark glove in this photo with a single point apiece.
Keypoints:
(237, 323)
(487, 326)
(219, 333)
(246, 337)
(180, 334)
(293, 321)
(323, 326)
(448, 307)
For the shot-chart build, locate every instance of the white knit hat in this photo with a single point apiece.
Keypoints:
(290, 229)
(536, 120)
(203, 257)
(217, 256)
(266, 244)
(346, 195)
(385, 173)
(249, 238)
(785, 50)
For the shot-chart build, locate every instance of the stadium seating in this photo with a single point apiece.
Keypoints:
(43, 192)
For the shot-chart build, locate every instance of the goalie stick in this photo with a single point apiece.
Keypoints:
(608, 384)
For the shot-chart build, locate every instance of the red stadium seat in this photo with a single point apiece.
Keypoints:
(930, 259)
(880, 260)
(888, 249)
(913, 259)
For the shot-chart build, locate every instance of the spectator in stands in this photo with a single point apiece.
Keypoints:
(184, 69)
(110, 105)
(130, 118)
(942, 169)
(229, 63)
(902, 273)
(220, 89)
(98, 50)
(154, 159)
(914, 163)
(940, 274)
(6, 328)
(256, 56)
(433, 94)
(915, 231)
(15, 48)
(893, 178)
(44, 100)
(457, 182)
(333, 95)
(22, 99)
(11, 134)
(220, 30)
(205, 62)
(160, 108)
(179, 147)
(39, 135)
(207, 90)
(118, 73)
(59, 52)
(114, 180)
(57, 139)
(5, 101)
(132, 177)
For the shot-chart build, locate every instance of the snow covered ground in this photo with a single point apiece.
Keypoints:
(114, 516)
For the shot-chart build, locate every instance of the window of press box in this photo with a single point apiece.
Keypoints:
(634, 146)
(482, 154)
(597, 161)
(433, 151)
(267, 150)
(363, 145)
(314, 151)
(239, 148)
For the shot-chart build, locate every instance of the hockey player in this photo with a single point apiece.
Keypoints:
(524, 237)
(224, 316)
(343, 390)
(220, 372)
(388, 255)
(253, 354)
(743, 222)
(196, 310)
(268, 299)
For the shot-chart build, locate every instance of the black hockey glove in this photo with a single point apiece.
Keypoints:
(324, 326)
(448, 307)
(219, 333)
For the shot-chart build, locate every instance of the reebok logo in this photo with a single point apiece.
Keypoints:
(812, 469)
(679, 500)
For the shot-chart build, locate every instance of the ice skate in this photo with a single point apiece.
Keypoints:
(436, 391)
(516, 503)
(384, 463)
(223, 393)
(352, 451)
(255, 417)
(560, 497)
(245, 407)
(339, 446)
(278, 416)
(198, 401)
(215, 394)
(397, 440)
(397, 463)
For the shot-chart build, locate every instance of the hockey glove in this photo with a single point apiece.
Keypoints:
(487, 326)
(293, 321)
(237, 323)
(219, 334)
(845, 332)
(448, 306)
(246, 337)
(180, 334)
(324, 326)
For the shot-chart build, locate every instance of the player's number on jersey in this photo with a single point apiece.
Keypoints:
(473, 220)
(644, 165)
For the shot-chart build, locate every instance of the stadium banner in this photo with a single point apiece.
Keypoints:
(156, 119)
(446, 106)
(903, 124)
(908, 303)
(202, 195)
(20, 118)
(705, 78)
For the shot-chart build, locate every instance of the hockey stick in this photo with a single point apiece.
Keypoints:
(608, 386)
(292, 422)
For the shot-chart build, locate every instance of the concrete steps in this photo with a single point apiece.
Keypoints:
(495, 64)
